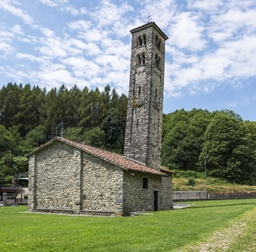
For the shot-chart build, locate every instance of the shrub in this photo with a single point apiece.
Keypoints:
(8, 179)
(191, 182)
(25, 196)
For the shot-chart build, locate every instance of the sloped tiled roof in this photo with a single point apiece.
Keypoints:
(108, 156)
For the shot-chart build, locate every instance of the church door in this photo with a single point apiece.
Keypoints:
(155, 200)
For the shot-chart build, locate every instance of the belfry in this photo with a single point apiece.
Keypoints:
(145, 103)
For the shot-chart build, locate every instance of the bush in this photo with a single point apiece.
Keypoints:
(25, 196)
(191, 182)
(11, 197)
(188, 174)
(7, 171)
(8, 179)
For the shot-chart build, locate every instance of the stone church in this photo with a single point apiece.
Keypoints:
(70, 177)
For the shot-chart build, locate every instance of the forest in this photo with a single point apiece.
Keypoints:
(31, 116)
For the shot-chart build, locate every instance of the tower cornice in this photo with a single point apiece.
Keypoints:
(145, 26)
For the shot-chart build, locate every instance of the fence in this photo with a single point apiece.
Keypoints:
(189, 195)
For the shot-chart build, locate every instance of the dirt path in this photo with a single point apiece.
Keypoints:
(222, 239)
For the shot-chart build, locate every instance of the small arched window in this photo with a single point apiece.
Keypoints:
(143, 59)
(139, 90)
(137, 123)
(158, 42)
(144, 39)
(139, 41)
(157, 60)
(138, 60)
(156, 93)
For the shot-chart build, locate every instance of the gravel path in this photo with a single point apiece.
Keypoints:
(222, 239)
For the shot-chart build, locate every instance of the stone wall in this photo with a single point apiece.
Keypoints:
(166, 202)
(54, 175)
(189, 195)
(202, 195)
(136, 198)
(31, 185)
(64, 179)
(102, 190)
(232, 195)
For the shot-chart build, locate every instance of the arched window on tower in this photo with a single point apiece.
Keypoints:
(139, 90)
(143, 59)
(138, 60)
(157, 42)
(156, 94)
(157, 60)
(144, 40)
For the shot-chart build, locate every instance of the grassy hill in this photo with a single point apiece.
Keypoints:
(194, 181)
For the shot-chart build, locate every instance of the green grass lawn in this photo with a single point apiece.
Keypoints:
(175, 230)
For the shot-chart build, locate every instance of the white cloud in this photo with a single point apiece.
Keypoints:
(30, 39)
(65, 7)
(5, 49)
(187, 33)
(30, 57)
(82, 67)
(72, 10)
(6, 42)
(55, 51)
(49, 2)
(6, 35)
(7, 6)
(162, 12)
(205, 5)
(79, 25)
(17, 29)
(47, 32)
(109, 13)
(219, 44)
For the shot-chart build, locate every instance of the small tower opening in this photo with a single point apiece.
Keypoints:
(143, 59)
(138, 60)
(158, 42)
(157, 60)
(142, 40)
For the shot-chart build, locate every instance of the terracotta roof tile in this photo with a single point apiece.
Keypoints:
(111, 157)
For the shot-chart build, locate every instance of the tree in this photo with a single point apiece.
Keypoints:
(95, 137)
(48, 111)
(9, 104)
(229, 154)
(74, 134)
(183, 138)
(114, 130)
(84, 109)
(7, 140)
(36, 137)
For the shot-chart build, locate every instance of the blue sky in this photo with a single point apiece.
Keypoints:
(210, 53)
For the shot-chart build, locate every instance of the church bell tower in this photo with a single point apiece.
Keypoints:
(145, 100)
